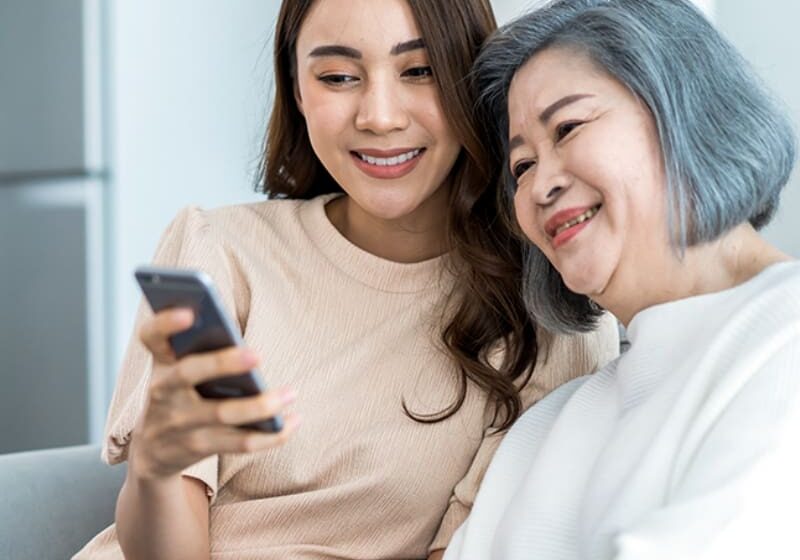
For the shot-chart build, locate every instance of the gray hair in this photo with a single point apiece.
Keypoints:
(728, 146)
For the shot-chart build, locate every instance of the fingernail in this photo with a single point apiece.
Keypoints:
(288, 396)
(184, 316)
(249, 357)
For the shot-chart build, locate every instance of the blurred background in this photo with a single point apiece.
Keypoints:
(114, 114)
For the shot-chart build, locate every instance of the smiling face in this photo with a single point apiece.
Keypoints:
(591, 187)
(372, 108)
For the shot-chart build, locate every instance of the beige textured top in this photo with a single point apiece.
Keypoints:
(354, 335)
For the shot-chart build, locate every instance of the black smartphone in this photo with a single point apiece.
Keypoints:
(166, 288)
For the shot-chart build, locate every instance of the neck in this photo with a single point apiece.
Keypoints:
(727, 262)
(410, 239)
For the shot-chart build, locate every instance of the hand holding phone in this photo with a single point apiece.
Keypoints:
(194, 351)
(212, 330)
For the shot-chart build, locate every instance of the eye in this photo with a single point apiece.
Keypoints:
(521, 168)
(563, 130)
(419, 72)
(337, 80)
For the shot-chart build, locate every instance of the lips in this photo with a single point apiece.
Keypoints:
(568, 218)
(387, 158)
(387, 164)
(566, 224)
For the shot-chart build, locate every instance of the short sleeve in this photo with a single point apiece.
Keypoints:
(561, 358)
(188, 242)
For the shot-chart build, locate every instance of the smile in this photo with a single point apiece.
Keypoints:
(389, 161)
(566, 224)
(387, 164)
(588, 215)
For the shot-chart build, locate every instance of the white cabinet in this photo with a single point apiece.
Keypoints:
(51, 318)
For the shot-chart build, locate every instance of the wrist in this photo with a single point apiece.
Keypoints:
(142, 471)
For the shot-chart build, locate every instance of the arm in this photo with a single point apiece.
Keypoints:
(436, 554)
(160, 513)
(172, 513)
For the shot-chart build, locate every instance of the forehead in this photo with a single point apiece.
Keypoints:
(553, 74)
(362, 24)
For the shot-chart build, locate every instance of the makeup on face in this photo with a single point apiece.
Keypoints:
(566, 224)
(373, 113)
(590, 180)
(387, 164)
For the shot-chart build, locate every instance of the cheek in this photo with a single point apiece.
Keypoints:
(324, 113)
(523, 209)
(426, 109)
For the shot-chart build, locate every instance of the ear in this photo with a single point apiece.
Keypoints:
(298, 99)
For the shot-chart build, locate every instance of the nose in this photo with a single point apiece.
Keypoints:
(550, 181)
(381, 109)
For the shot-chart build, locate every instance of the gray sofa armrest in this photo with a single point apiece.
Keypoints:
(54, 501)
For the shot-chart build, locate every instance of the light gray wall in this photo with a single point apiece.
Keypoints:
(766, 33)
(189, 87)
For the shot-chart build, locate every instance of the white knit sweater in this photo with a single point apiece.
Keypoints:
(686, 447)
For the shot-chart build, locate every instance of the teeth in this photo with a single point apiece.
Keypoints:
(579, 219)
(395, 160)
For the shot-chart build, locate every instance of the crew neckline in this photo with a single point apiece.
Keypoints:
(657, 312)
(366, 268)
(655, 333)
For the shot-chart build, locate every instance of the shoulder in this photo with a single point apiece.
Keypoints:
(776, 291)
(523, 439)
(271, 214)
(746, 344)
(762, 312)
(239, 227)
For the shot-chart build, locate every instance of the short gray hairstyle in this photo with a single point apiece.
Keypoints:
(728, 146)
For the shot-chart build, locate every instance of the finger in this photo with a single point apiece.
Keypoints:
(189, 414)
(155, 332)
(239, 411)
(219, 439)
(197, 368)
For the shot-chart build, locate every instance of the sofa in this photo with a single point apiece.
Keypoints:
(54, 500)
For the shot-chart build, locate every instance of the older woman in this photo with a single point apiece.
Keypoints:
(643, 157)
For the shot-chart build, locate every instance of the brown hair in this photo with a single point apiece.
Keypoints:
(487, 306)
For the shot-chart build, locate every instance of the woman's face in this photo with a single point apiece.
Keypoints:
(372, 108)
(591, 187)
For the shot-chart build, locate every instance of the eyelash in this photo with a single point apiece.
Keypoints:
(337, 80)
(417, 73)
(521, 168)
(562, 131)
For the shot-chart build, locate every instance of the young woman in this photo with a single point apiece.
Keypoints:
(380, 289)
(643, 156)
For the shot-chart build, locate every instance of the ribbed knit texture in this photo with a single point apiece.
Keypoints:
(354, 335)
(687, 446)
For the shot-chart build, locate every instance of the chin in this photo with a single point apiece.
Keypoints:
(390, 206)
(585, 282)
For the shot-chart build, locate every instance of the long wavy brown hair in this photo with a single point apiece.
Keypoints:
(486, 308)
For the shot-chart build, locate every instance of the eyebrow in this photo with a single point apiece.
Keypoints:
(560, 104)
(336, 50)
(350, 52)
(407, 46)
(547, 114)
